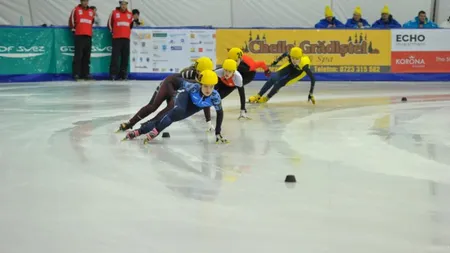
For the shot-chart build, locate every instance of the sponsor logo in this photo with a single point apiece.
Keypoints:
(140, 67)
(192, 35)
(192, 50)
(177, 70)
(21, 51)
(196, 43)
(147, 59)
(200, 50)
(171, 41)
(134, 51)
(163, 69)
(155, 69)
(164, 47)
(411, 60)
(155, 47)
(171, 70)
(96, 52)
(360, 44)
(174, 35)
(144, 36)
(410, 39)
(134, 59)
(176, 48)
(144, 52)
(182, 40)
(159, 35)
(156, 55)
(210, 50)
(143, 44)
(209, 42)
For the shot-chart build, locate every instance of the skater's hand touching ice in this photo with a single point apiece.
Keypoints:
(220, 139)
(243, 115)
(209, 127)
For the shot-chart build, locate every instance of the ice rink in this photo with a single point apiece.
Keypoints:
(373, 173)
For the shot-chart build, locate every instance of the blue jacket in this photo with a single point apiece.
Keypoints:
(351, 23)
(415, 24)
(391, 24)
(323, 23)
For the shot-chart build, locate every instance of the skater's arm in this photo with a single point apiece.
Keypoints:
(311, 77)
(254, 64)
(281, 57)
(242, 97)
(72, 18)
(239, 83)
(217, 103)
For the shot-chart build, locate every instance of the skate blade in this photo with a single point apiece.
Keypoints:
(124, 139)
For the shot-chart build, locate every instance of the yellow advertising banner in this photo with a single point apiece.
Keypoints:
(351, 51)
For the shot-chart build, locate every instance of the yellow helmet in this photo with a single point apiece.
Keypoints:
(296, 53)
(230, 65)
(235, 53)
(208, 78)
(203, 63)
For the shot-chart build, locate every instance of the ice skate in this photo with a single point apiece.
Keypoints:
(254, 99)
(131, 135)
(150, 136)
(263, 100)
(123, 127)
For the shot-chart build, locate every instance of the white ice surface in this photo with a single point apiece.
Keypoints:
(373, 174)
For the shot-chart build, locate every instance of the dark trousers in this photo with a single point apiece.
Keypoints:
(120, 49)
(161, 94)
(183, 109)
(278, 80)
(82, 57)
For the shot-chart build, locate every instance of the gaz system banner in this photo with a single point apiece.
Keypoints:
(170, 50)
(330, 51)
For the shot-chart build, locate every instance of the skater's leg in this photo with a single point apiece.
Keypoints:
(278, 85)
(269, 84)
(170, 104)
(151, 107)
(177, 113)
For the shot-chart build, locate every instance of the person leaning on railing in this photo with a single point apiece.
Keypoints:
(421, 21)
(329, 21)
(386, 20)
(80, 22)
(357, 21)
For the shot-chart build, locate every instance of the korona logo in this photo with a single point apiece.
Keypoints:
(410, 38)
(21, 51)
(96, 52)
(358, 44)
(411, 60)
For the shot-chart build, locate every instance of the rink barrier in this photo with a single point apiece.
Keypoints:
(33, 54)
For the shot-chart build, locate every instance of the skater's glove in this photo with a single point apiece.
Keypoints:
(267, 73)
(221, 139)
(243, 115)
(311, 98)
(73, 30)
(210, 127)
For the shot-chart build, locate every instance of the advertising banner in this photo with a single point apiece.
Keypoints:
(420, 51)
(26, 51)
(169, 50)
(64, 50)
(331, 51)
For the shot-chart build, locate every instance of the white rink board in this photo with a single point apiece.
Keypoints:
(169, 50)
(420, 40)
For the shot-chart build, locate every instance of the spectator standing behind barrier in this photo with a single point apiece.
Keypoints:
(120, 23)
(357, 21)
(80, 21)
(136, 20)
(97, 20)
(445, 24)
(421, 21)
(329, 21)
(386, 20)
